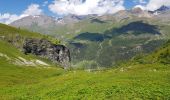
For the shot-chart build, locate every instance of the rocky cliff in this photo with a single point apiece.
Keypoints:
(41, 47)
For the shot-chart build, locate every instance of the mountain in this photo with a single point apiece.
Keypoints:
(70, 25)
(160, 10)
(137, 11)
(39, 20)
(38, 23)
(111, 38)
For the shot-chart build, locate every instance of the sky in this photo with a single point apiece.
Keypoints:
(11, 10)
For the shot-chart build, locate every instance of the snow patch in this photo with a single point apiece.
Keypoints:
(36, 16)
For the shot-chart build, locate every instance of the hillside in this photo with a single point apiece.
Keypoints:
(10, 55)
(11, 34)
(160, 55)
(21, 47)
(129, 81)
(11, 39)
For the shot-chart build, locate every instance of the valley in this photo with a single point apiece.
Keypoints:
(113, 56)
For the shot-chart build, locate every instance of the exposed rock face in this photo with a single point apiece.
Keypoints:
(44, 48)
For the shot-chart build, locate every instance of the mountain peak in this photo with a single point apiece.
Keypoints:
(163, 8)
(137, 10)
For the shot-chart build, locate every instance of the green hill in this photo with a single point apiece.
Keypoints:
(16, 36)
(160, 55)
(129, 81)
(11, 41)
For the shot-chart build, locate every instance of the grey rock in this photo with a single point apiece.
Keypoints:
(41, 47)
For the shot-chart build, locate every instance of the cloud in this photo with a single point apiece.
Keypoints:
(45, 3)
(140, 6)
(33, 9)
(7, 18)
(140, 1)
(85, 7)
(155, 4)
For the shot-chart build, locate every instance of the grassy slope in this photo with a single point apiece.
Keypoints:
(10, 38)
(9, 54)
(133, 81)
(11, 31)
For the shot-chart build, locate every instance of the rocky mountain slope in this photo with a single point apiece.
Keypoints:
(15, 42)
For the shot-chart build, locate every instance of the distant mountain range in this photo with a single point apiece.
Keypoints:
(50, 25)
(108, 39)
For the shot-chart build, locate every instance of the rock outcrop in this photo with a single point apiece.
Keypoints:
(44, 48)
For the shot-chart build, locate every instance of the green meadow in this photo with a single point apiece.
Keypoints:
(135, 82)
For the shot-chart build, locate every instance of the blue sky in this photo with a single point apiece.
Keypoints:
(18, 6)
(11, 10)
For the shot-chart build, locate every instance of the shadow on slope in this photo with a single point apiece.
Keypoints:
(97, 21)
(91, 36)
(135, 28)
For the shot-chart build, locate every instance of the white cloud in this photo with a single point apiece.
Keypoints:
(140, 6)
(84, 7)
(7, 18)
(155, 4)
(142, 1)
(33, 9)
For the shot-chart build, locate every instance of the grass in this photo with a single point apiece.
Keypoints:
(150, 81)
